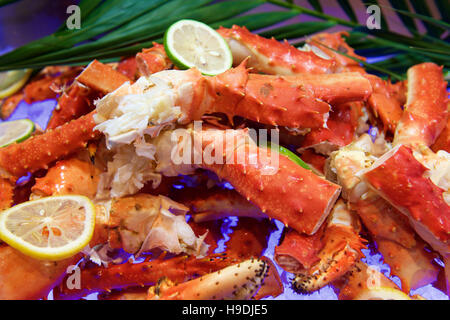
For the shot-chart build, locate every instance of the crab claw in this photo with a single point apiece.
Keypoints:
(341, 250)
(240, 281)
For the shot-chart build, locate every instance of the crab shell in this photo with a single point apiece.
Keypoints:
(153, 60)
(240, 281)
(271, 56)
(425, 114)
(399, 178)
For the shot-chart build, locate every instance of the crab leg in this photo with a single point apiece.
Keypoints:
(71, 105)
(401, 248)
(6, 193)
(177, 269)
(271, 56)
(399, 178)
(37, 152)
(443, 141)
(101, 77)
(240, 281)
(426, 109)
(301, 205)
(153, 60)
(341, 250)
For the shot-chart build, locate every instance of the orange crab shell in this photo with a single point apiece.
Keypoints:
(271, 56)
(426, 109)
(153, 60)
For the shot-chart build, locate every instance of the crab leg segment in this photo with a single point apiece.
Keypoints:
(6, 193)
(240, 281)
(271, 56)
(39, 151)
(443, 141)
(177, 269)
(306, 199)
(425, 114)
(298, 252)
(400, 179)
(101, 77)
(153, 60)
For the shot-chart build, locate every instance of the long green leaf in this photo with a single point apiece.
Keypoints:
(422, 9)
(407, 21)
(316, 5)
(102, 19)
(298, 30)
(348, 9)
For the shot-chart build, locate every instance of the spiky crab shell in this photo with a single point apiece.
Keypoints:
(426, 111)
(271, 56)
(148, 273)
(399, 178)
(305, 201)
(39, 151)
(71, 105)
(153, 60)
(402, 250)
(101, 77)
(443, 141)
(298, 252)
(240, 281)
(341, 249)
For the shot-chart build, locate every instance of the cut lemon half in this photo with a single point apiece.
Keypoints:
(382, 293)
(15, 131)
(51, 228)
(191, 43)
(12, 81)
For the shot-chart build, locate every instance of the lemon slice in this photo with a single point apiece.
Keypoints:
(190, 43)
(51, 228)
(382, 293)
(15, 131)
(12, 81)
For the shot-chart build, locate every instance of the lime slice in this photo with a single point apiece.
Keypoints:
(12, 81)
(190, 43)
(51, 228)
(382, 293)
(288, 153)
(15, 131)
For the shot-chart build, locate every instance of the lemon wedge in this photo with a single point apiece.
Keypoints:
(191, 43)
(382, 293)
(51, 228)
(12, 81)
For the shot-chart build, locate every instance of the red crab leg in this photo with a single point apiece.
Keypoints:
(39, 151)
(129, 68)
(101, 77)
(292, 101)
(240, 281)
(384, 105)
(178, 269)
(425, 114)
(443, 141)
(399, 178)
(340, 251)
(402, 250)
(271, 56)
(6, 193)
(71, 105)
(153, 60)
(301, 205)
